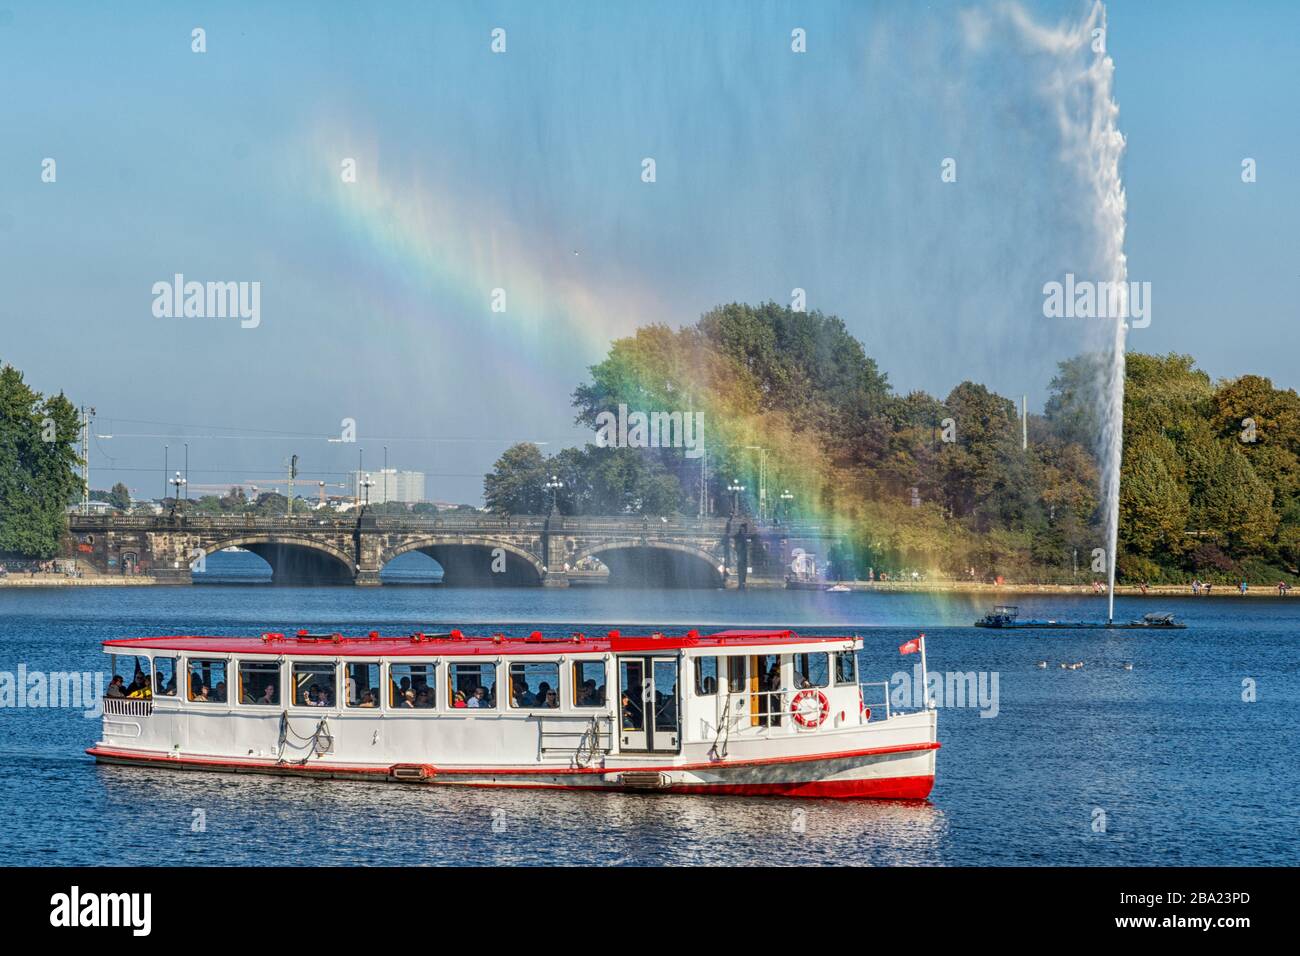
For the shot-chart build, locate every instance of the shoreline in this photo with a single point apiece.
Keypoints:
(889, 587)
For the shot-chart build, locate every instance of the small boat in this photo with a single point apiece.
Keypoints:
(1007, 617)
(838, 589)
(767, 713)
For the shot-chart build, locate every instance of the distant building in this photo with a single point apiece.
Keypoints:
(389, 484)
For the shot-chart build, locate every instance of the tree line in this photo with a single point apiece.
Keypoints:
(912, 481)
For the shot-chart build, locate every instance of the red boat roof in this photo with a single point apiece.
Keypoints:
(454, 643)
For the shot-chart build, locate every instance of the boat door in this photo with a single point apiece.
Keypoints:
(649, 704)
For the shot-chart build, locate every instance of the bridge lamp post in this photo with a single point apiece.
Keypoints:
(367, 484)
(786, 498)
(735, 488)
(179, 483)
(554, 486)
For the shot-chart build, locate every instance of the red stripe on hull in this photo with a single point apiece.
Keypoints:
(886, 788)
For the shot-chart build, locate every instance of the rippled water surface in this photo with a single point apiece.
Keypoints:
(1184, 771)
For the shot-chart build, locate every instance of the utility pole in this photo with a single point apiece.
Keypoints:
(1024, 422)
(85, 458)
(762, 480)
(704, 483)
(293, 473)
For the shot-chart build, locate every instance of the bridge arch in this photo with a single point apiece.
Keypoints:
(637, 562)
(294, 559)
(469, 561)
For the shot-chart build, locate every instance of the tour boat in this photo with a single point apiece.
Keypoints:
(734, 712)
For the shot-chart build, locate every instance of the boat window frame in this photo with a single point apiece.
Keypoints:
(495, 664)
(292, 703)
(795, 673)
(510, 662)
(189, 699)
(572, 695)
(386, 679)
(697, 662)
(853, 678)
(263, 659)
(175, 657)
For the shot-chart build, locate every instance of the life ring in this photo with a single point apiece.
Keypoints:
(803, 714)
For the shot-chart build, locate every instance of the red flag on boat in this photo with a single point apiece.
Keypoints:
(912, 646)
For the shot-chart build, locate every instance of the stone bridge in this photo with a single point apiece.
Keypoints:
(479, 549)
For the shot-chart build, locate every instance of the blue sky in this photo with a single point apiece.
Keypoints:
(522, 171)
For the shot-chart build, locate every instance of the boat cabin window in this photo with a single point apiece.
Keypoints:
(207, 680)
(534, 684)
(735, 675)
(313, 684)
(473, 685)
(846, 667)
(362, 684)
(259, 683)
(811, 670)
(588, 683)
(411, 687)
(706, 676)
(164, 677)
(130, 677)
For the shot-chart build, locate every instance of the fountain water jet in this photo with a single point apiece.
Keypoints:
(1087, 114)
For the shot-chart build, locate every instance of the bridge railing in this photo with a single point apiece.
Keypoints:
(612, 524)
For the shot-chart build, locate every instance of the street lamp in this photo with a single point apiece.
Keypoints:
(735, 488)
(554, 485)
(367, 484)
(786, 497)
(179, 483)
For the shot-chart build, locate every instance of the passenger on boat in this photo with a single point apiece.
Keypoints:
(522, 698)
(202, 695)
(543, 692)
(268, 695)
(551, 699)
(479, 699)
(408, 698)
(138, 683)
(219, 692)
(587, 694)
(631, 713)
(115, 687)
(459, 699)
(422, 699)
(367, 700)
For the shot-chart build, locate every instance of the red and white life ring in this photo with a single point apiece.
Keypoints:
(809, 708)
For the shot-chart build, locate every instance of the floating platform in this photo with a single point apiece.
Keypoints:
(1007, 617)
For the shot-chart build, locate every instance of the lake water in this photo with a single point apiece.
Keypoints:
(1184, 771)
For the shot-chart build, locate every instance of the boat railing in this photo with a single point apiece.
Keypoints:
(127, 706)
(869, 697)
(583, 741)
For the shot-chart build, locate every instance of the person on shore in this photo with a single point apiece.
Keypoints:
(1196, 587)
(1244, 588)
(1207, 588)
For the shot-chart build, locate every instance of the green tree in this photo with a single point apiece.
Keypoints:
(37, 466)
(119, 496)
(516, 484)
